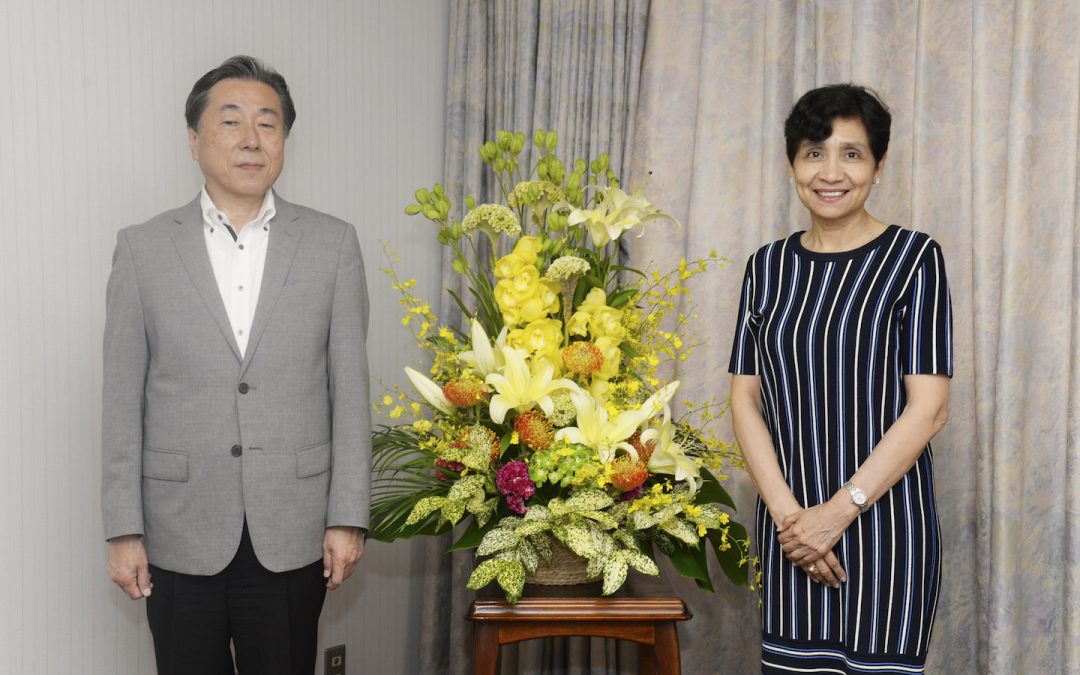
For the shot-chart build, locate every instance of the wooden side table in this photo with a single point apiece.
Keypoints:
(648, 621)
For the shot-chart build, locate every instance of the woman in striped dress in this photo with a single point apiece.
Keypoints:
(841, 365)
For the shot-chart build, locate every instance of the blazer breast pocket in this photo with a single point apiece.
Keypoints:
(313, 460)
(164, 464)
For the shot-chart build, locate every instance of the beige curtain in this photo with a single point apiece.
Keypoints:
(572, 66)
(985, 97)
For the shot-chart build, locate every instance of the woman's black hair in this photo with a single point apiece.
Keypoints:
(811, 119)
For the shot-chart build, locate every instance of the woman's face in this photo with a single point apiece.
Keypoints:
(833, 177)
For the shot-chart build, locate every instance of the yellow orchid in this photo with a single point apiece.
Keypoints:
(669, 456)
(608, 434)
(616, 213)
(431, 392)
(519, 387)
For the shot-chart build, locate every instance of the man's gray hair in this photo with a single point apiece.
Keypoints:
(238, 68)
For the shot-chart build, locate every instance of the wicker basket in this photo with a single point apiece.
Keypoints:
(565, 569)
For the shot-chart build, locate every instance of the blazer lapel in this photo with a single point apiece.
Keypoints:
(285, 236)
(190, 243)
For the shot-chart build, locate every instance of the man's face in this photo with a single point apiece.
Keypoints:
(240, 142)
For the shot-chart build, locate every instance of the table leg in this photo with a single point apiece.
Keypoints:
(646, 659)
(667, 648)
(485, 648)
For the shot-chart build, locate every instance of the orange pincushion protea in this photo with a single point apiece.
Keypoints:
(628, 473)
(465, 392)
(478, 436)
(582, 358)
(644, 450)
(534, 429)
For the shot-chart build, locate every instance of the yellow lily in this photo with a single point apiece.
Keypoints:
(482, 358)
(520, 388)
(608, 435)
(669, 456)
(431, 392)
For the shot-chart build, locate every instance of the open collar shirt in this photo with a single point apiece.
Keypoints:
(238, 259)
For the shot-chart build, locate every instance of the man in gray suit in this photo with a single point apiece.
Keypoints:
(236, 435)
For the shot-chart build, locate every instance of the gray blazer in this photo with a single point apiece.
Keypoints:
(194, 437)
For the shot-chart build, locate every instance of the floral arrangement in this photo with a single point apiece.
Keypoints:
(545, 422)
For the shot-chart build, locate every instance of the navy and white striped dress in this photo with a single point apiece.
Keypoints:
(831, 336)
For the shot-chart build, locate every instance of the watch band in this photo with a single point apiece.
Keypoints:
(856, 493)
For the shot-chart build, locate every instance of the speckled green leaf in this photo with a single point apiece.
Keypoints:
(641, 562)
(681, 530)
(467, 487)
(512, 580)
(626, 538)
(424, 508)
(595, 567)
(453, 511)
(484, 573)
(589, 500)
(579, 539)
(640, 520)
(527, 555)
(614, 575)
(600, 517)
(538, 512)
(542, 544)
(483, 514)
(532, 527)
(497, 540)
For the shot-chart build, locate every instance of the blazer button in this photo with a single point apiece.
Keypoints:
(237, 451)
(243, 388)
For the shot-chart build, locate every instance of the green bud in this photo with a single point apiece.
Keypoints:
(488, 152)
(519, 143)
(455, 230)
(438, 189)
(500, 165)
(459, 265)
(445, 237)
(542, 170)
(614, 182)
(431, 213)
(470, 202)
(504, 139)
(595, 166)
(556, 171)
(538, 138)
(579, 166)
(412, 210)
(551, 140)
(557, 248)
(605, 160)
(421, 196)
(573, 181)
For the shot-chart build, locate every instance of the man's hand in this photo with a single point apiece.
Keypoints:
(342, 548)
(128, 566)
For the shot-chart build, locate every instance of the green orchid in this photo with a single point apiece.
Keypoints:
(609, 435)
(519, 388)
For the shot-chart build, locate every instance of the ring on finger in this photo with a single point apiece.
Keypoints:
(812, 568)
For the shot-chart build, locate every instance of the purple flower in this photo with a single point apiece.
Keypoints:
(631, 494)
(514, 483)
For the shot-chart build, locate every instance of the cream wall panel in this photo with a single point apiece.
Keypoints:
(92, 139)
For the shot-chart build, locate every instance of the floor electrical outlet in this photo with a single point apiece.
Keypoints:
(335, 660)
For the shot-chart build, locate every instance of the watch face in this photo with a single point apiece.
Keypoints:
(859, 497)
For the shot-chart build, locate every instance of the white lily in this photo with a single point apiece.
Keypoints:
(482, 358)
(605, 435)
(519, 388)
(616, 213)
(669, 456)
(431, 392)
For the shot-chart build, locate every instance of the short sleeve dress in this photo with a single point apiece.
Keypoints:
(831, 336)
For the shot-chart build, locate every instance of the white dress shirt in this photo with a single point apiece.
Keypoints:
(238, 259)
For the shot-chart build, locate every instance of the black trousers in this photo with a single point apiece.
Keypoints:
(271, 618)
